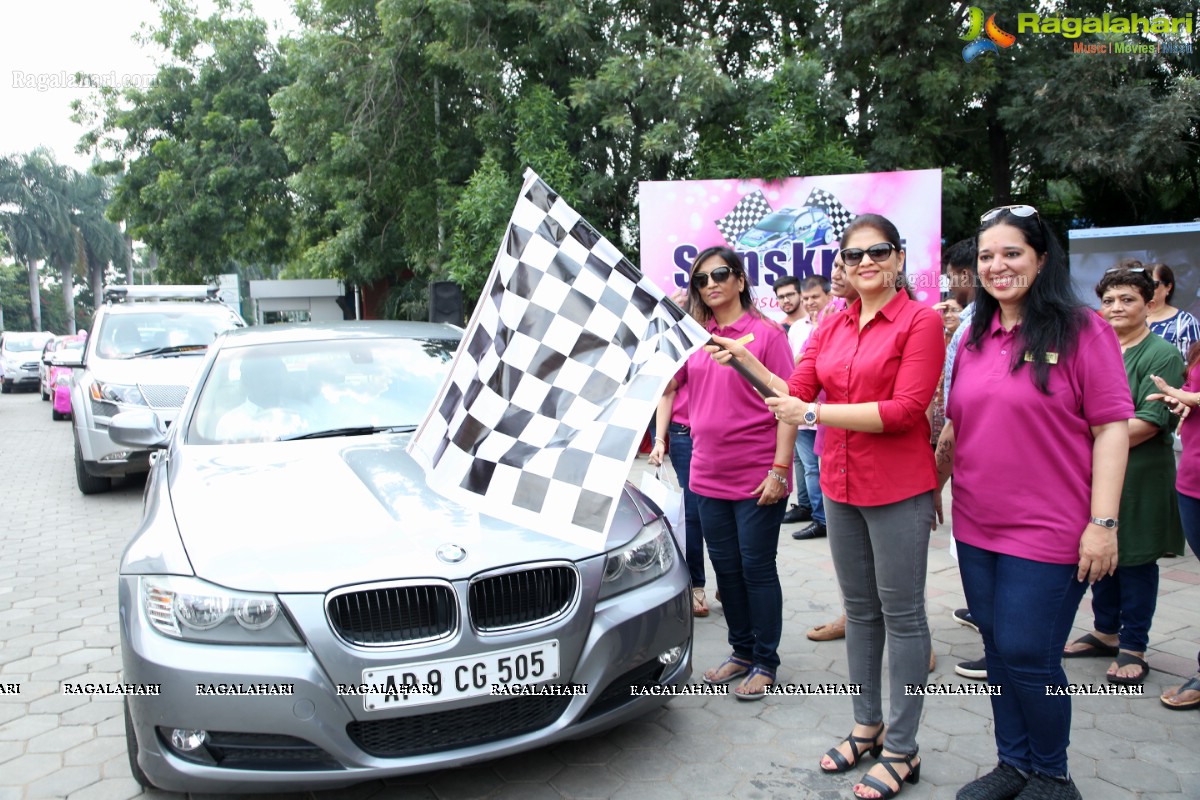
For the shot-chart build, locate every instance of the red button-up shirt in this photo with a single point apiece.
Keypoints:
(896, 361)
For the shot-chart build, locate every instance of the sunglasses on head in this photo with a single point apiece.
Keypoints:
(1111, 270)
(1016, 211)
(719, 275)
(853, 256)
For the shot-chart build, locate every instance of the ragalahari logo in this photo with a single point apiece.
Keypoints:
(984, 37)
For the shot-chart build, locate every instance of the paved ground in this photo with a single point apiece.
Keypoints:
(58, 621)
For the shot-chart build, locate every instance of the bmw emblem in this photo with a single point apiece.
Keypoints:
(451, 553)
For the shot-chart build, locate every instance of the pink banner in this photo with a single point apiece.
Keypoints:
(788, 227)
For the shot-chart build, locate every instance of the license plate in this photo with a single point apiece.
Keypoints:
(457, 678)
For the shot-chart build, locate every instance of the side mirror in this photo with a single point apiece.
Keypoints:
(138, 429)
(73, 361)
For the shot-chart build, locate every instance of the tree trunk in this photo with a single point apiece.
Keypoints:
(128, 266)
(68, 287)
(35, 294)
(1000, 154)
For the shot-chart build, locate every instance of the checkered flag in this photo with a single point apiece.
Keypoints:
(838, 214)
(557, 377)
(748, 212)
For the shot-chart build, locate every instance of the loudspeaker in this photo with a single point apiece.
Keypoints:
(446, 302)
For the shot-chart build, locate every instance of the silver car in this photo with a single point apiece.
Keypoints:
(298, 610)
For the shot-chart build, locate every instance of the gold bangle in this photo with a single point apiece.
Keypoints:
(771, 379)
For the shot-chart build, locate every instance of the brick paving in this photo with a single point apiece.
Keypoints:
(58, 620)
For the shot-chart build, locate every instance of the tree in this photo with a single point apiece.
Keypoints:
(200, 178)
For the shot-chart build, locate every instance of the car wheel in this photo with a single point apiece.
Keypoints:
(88, 483)
(5, 387)
(131, 749)
(54, 415)
(45, 394)
(829, 236)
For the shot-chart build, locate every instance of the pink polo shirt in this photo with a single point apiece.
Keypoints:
(679, 408)
(733, 431)
(1187, 480)
(1022, 459)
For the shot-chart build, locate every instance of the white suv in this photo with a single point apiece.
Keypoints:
(145, 350)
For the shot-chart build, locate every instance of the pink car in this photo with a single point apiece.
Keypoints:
(60, 377)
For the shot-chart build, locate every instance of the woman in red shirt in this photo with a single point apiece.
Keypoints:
(879, 363)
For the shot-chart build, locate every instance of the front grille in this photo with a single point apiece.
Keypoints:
(464, 727)
(163, 395)
(516, 599)
(392, 615)
(618, 693)
(30, 366)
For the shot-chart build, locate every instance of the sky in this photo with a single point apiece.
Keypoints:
(39, 56)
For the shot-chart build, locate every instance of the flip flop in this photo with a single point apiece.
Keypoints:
(1193, 685)
(1096, 648)
(1127, 659)
(762, 691)
(743, 665)
(699, 604)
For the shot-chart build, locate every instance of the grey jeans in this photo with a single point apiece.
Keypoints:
(880, 554)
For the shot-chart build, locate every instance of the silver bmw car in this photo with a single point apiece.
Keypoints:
(299, 611)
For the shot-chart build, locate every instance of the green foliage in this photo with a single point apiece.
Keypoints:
(201, 179)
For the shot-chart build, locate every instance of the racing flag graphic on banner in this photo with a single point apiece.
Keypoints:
(748, 212)
(838, 214)
(557, 377)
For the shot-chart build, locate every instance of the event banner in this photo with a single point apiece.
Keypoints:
(788, 227)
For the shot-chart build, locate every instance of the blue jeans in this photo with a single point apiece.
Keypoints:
(1024, 610)
(1124, 603)
(805, 441)
(1189, 515)
(743, 538)
(681, 458)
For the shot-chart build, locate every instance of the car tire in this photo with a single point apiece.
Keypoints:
(132, 749)
(5, 387)
(45, 395)
(829, 236)
(54, 415)
(88, 483)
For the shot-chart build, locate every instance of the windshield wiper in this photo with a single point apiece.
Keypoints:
(163, 351)
(359, 430)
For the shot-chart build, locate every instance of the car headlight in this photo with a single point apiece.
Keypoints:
(198, 611)
(128, 394)
(647, 557)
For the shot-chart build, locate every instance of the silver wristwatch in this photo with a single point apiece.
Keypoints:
(1104, 522)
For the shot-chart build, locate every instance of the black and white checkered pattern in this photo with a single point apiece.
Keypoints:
(838, 214)
(748, 212)
(557, 378)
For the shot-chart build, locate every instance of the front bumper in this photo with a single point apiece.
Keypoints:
(617, 642)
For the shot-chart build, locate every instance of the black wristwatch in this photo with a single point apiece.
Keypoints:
(1104, 522)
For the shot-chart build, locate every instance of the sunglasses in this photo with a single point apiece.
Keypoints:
(1111, 270)
(853, 256)
(719, 275)
(1016, 211)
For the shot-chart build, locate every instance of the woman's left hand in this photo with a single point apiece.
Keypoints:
(1097, 554)
(789, 410)
(770, 491)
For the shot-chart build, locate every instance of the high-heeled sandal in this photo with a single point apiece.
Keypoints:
(876, 747)
(886, 792)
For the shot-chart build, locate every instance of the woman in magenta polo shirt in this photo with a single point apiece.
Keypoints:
(740, 470)
(1037, 437)
(878, 363)
(1187, 486)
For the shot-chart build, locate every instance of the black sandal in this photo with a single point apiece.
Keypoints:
(1125, 660)
(835, 755)
(886, 792)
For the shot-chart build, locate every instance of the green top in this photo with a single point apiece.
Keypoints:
(1150, 527)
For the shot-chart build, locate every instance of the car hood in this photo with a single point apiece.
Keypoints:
(174, 369)
(310, 516)
(755, 237)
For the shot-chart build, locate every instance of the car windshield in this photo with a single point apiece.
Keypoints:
(26, 344)
(335, 387)
(776, 223)
(154, 332)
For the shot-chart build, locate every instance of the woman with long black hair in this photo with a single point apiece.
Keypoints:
(1037, 438)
